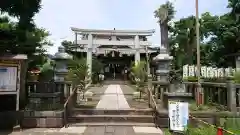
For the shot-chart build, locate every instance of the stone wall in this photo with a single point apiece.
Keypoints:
(42, 119)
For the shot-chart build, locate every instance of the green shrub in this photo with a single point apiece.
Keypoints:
(201, 130)
(139, 75)
(46, 71)
(232, 124)
(96, 69)
(78, 72)
(236, 77)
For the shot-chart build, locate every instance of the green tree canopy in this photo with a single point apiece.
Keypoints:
(219, 36)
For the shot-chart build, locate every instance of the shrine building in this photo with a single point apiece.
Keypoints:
(117, 49)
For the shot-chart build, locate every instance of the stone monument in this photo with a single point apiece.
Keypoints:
(163, 60)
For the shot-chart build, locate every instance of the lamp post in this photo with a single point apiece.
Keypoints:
(199, 90)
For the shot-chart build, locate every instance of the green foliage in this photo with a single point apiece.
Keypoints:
(232, 124)
(236, 77)
(140, 73)
(96, 69)
(170, 9)
(201, 130)
(11, 43)
(219, 37)
(216, 79)
(24, 10)
(47, 71)
(190, 79)
(67, 45)
(78, 72)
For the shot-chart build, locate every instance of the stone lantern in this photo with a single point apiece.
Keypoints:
(61, 58)
(162, 62)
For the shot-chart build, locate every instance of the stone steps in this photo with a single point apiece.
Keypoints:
(78, 111)
(112, 124)
(122, 117)
(112, 118)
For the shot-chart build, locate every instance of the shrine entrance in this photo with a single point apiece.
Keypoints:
(115, 65)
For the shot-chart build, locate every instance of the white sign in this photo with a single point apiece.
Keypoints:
(178, 115)
(207, 72)
(8, 78)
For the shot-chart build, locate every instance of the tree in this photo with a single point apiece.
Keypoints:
(170, 11)
(164, 14)
(26, 37)
(183, 32)
(219, 37)
(24, 10)
(78, 71)
(35, 40)
(140, 73)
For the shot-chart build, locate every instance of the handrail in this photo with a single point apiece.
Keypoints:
(66, 106)
(154, 105)
(152, 97)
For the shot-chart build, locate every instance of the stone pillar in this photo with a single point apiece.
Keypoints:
(237, 63)
(137, 46)
(231, 96)
(89, 53)
(76, 38)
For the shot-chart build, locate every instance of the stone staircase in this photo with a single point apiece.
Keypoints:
(99, 117)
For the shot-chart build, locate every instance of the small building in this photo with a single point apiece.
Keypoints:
(117, 49)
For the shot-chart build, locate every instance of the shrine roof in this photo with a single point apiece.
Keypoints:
(102, 31)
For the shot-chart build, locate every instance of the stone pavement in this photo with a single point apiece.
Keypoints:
(113, 98)
(92, 130)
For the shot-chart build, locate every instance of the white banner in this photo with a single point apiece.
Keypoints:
(178, 115)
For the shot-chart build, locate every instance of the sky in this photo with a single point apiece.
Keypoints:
(57, 16)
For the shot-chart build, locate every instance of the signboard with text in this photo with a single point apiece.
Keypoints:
(178, 115)
(8, 78)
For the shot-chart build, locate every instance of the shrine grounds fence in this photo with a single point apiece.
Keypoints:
(226, 96)
(218, 130)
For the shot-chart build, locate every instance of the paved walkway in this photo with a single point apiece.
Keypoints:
(113, 98)
(93, 130)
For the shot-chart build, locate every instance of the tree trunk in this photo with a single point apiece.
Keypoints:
(164, 35)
